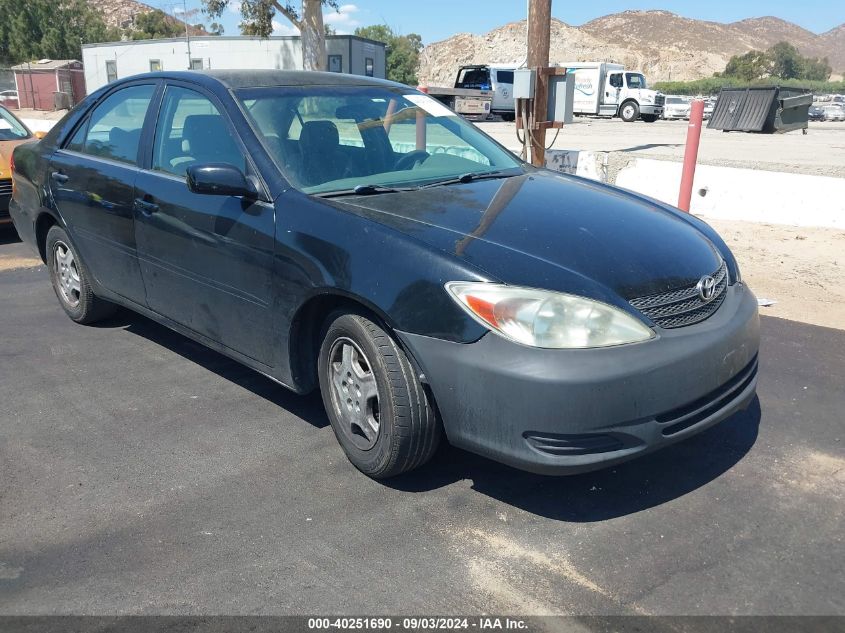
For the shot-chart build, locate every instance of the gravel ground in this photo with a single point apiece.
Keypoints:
(821, 152)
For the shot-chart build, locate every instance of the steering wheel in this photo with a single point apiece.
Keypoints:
(411, 159)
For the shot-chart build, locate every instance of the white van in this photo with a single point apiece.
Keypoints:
(495, 77)
(606, 89)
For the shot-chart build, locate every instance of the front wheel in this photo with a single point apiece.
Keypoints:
(629, 111)
(379, 411)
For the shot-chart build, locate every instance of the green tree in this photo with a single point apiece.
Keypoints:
(786, 61)
(155, 25)
(35, 29)
(257, 19)
(816, 69)
(403, 51)
(752, 65)
(215, 28)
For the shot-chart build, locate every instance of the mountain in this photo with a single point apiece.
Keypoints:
(121, 14)
(660, 43)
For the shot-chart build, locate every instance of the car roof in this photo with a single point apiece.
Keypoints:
(235, 79)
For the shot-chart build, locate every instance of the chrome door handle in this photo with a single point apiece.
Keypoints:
(59, 177)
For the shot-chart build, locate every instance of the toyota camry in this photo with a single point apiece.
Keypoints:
(355, 236)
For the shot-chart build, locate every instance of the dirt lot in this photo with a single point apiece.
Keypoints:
(820, 153)
(801, 268)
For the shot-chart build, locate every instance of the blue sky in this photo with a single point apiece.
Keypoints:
(439, 19)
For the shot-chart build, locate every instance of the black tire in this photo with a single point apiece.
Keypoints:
(508, 116)
(649, 118)
(629, 111)
(81, 304)
(407, 433)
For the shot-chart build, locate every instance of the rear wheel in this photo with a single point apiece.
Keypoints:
(378, 409)
(71, 281)
(629, 111)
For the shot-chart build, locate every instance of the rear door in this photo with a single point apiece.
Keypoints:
(206, 260)
(92, 179)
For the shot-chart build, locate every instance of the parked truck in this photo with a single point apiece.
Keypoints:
(472, 104)
(497, 78)
(608, 89)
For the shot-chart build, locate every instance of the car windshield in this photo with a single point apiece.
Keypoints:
(335, 138)
(10, 128)
(635, 80)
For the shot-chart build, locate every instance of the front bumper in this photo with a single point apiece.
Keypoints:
(646, 108)
(570, 411)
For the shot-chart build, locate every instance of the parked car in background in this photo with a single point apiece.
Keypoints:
(12, 133)
(676, 107)
(352, 235)
(815, 113)
(709, 106)
(9, 99)
(834, 112)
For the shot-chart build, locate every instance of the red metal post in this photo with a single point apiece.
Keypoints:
(696, 116)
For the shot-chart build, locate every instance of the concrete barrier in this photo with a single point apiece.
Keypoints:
(753, 195)
(729, 193)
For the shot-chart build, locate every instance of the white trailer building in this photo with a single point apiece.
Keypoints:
(108, 61)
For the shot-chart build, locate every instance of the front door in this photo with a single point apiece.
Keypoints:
(612, 89)
(92, 179)
(206, 260)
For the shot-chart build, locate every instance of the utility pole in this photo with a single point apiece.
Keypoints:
(539, 33)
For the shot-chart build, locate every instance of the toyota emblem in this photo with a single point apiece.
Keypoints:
(706, 287)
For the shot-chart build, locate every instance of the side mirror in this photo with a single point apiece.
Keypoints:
(39, 134)
(220, 179)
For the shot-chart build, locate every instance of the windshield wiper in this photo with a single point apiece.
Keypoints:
(465, 178)
(363, 190)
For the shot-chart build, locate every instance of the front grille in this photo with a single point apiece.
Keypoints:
(6, 187)
(683, 306)
(659, 100)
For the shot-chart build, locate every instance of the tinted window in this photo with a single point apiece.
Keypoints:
(616, 80)
(477, 78)
(114, 127)
(504, 76)
(192, 131)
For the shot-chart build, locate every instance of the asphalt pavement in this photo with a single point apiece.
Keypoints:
(142, 473)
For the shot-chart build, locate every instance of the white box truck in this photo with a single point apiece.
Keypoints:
(607, 89)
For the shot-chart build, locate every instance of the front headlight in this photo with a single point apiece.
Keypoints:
(541, 318)
(648, 98)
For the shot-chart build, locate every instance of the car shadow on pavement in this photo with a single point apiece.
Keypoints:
(624, 489)
(308, 407)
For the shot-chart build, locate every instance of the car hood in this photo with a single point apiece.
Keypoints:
(552, 231)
